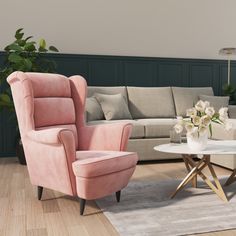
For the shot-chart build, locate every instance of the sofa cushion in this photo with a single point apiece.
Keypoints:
(151, 102)
(137, 130)
(96, 163)
(93, 109)
(113, 106)
(91, 90)
(157, 128)
(186, 98)
(216, 101)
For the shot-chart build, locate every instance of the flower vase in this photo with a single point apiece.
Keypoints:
(197, 142)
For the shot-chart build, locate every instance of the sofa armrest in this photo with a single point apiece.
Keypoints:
(232, 111)
(113, 137)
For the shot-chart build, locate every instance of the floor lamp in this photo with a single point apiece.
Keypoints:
(229, 52)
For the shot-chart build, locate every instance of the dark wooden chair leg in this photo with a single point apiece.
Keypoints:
(118, 196)
(40, 192)
(82, 205)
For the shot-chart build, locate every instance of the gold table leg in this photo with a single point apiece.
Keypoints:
(189, 167)
(231, 178)
(196, 170)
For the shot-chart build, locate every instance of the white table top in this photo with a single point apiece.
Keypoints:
(217, 147)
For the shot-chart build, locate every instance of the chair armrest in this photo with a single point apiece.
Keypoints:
(232, 111)
(113, 137)
(47, 136)
(56, 149)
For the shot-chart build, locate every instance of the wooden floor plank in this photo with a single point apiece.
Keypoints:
(57, 214)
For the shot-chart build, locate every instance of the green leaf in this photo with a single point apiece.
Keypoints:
(18, 34)
(30, 37)
(5, 98)
(53, 49)
(14, 58)
(42, 43)
(30, 47)
(42, 49)
(28, 64)
(21, 42)
(14, 47)
(210, 129)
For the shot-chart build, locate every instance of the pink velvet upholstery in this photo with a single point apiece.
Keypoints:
(61, 152)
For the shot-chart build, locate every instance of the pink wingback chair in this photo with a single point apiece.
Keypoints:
(62, 153)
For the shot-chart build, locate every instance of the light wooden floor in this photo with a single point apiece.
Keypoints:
(22, 214)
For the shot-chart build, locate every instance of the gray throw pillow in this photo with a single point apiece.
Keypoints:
(114, 106)
(216, 101)
(93, 109)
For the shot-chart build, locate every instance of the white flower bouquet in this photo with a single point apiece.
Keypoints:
(199, 120)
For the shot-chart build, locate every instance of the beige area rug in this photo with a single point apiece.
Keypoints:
(146, 209)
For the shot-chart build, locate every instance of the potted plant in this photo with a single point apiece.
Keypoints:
(229, 90)
(23, 54)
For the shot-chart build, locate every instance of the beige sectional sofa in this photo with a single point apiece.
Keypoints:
(153, 111)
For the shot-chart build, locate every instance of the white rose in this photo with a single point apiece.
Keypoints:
(228, 126)
(223, 118)
(223, 112)
(189, 127)
(191, 112)
(196, 120)
(178, 128)
(180, 120)
(205, 120)
(210, 111)
(207, 104)
(200, 106)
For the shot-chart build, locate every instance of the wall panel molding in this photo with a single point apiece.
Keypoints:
(133, 71)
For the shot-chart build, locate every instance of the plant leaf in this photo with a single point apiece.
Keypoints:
(14, 58)
(28, 64)
(30, 37)
(210, 129)
(42, 49)
(18, 34)
(53, 49)
(21, 42)
(42, 43)
(14, 47)
(30, 47)
(5, 98)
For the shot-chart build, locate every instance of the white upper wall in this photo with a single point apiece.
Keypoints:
(159, 28)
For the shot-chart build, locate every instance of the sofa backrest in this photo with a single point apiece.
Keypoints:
(107, 90)
(186, 98)
(151, 102)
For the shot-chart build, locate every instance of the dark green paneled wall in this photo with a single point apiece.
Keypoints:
(130, 71)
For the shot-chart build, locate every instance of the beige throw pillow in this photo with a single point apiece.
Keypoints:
(216, 101)
(114, 106)
(93, 109)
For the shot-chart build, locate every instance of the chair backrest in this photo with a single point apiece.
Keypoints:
(45, 101)
(48, 100)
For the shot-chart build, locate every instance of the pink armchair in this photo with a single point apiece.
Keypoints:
(62, 153)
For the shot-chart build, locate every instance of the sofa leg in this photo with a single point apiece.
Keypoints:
(40, 192)
(82, 205)
(118, 196)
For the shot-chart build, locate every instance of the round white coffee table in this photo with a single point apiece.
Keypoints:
(195, 168)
